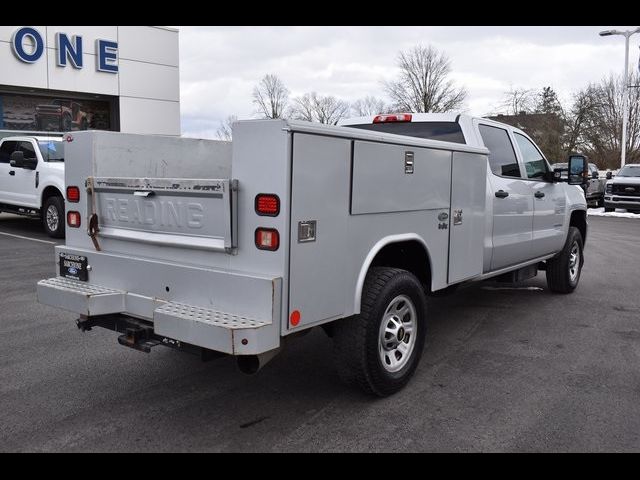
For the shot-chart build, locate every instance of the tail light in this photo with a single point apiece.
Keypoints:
(73, 194)
(267, 239)
(73, 219)
(267, 204)
(398, 117)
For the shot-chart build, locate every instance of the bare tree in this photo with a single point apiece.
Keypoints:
(315, 108)
(271, 97)
(603, 124)
(368, 106)
(424, 84)
(517, 101)
(224, 131)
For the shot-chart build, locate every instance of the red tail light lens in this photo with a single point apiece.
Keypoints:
(267, 204)
(399, 117)
(73, 219)
(73, 194)
(267, 239)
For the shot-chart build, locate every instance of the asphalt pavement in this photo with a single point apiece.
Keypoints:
(504, 369)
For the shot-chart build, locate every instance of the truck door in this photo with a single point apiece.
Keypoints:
(22, 185)
(6, 149)
(319, 212)
(512, 200)
(549, 202)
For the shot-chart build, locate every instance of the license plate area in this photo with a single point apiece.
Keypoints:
(74, 266)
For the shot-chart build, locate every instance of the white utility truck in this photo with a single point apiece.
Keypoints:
(32, 179)
(234, 248)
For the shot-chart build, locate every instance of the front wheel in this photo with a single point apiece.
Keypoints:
(563, 271)
(53, 217)
(379, 349)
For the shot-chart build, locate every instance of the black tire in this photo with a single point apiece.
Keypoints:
(600, 203)
(609, 209)
(635, 212)
(561, 275)
(358, 350)
(55, 206)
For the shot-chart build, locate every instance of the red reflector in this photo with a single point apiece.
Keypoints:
(399, 117)
(267, 205)
(73, 219)
(73, 194)
(267, 239)
(294, 319)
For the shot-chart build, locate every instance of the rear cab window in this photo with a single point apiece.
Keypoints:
(443, 131)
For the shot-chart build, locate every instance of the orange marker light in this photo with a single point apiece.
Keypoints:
(294, 319)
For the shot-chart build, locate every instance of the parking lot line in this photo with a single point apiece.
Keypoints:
(27, 238)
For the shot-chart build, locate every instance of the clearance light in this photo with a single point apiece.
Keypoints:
(267, 204)
(73, 194)
(267, 239)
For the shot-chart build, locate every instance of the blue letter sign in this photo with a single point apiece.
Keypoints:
(107, 56)
(67, 50)
(18, 48)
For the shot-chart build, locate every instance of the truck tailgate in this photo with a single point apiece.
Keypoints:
(179, 212)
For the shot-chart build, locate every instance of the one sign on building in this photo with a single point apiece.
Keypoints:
(28, 46)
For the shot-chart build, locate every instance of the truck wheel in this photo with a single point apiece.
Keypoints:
(379, 349)
(600, 203)
(609, 209)
(53, 217)
(563, 271)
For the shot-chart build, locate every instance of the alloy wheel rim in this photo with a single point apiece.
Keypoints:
(397, 336)
(574, 262)
(52, 218)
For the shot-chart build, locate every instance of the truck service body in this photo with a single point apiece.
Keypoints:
(219, 247)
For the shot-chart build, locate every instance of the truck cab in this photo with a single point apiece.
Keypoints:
(527, 210)
(32, 179)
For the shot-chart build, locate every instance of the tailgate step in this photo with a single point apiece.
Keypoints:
(80, 297)
(209, 328)
(209, 316)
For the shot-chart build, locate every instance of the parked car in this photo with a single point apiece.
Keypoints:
(32, 179)
(594, 190)
(623, 190)
(62, 116)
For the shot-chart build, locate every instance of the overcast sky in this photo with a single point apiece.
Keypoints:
(219, 66)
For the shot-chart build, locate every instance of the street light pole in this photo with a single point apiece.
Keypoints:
(625, 95)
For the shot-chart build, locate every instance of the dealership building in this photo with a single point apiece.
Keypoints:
(59, 79)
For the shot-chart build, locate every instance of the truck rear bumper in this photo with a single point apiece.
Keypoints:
(197, 313)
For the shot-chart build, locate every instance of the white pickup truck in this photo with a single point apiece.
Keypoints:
(234, 248)
(32, 179)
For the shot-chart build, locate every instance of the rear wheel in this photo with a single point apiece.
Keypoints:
(379, 349)
(53, 217)
(563, 271)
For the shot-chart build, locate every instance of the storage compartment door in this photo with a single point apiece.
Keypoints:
(319, 211)
(467, 222)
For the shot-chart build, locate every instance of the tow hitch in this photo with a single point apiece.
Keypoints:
(139, 335)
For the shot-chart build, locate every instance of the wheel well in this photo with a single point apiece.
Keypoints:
(50, 192)
(579, 220)
(410, 255)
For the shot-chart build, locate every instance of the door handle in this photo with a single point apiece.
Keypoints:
(539, 195)
(502, 194)
(12, 173)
